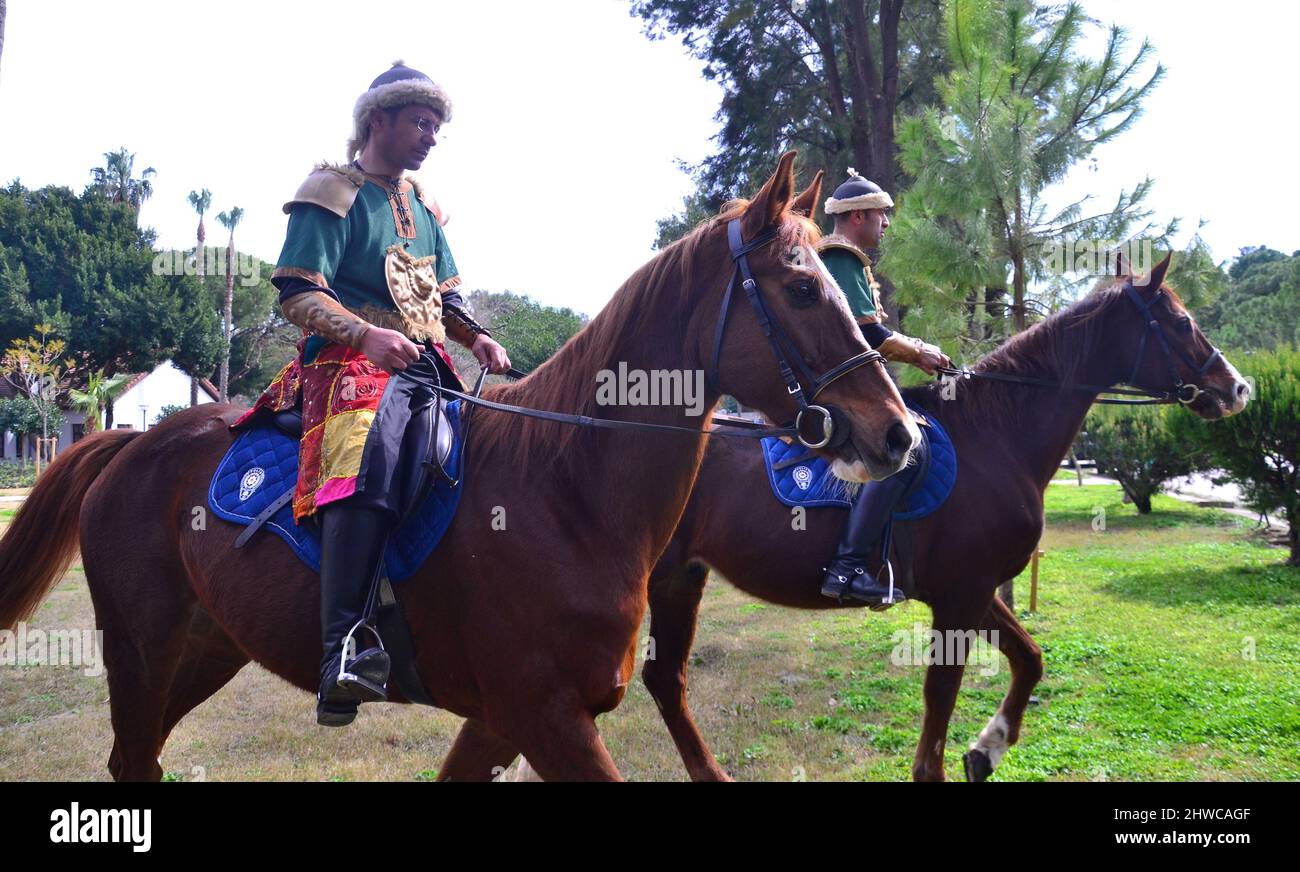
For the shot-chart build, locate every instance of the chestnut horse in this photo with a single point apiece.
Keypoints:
(1010, 440)
(529, 631)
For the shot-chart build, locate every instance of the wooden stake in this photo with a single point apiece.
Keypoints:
(1033, 580)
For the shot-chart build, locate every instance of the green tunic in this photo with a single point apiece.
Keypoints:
(852, 272)
(346, 255)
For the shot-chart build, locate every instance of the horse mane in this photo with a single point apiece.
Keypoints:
(564, 383)
(1047, 350)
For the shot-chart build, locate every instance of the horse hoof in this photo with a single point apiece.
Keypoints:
(978, 767)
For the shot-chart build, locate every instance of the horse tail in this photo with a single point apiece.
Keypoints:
(44, 535)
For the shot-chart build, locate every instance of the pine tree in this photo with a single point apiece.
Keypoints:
(1020, 108)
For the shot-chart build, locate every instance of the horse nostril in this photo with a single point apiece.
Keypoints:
(898, 441)
(1243, 390)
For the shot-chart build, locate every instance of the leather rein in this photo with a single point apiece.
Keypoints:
(1182, 392)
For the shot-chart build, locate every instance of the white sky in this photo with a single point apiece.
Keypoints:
(567, 121)
(1216, 136)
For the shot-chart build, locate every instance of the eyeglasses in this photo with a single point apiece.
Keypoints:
(427, 125)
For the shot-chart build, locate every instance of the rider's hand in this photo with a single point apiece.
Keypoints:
(388, 349)
(931, 358)
(488, 352)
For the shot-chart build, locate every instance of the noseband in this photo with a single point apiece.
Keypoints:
(835, 428)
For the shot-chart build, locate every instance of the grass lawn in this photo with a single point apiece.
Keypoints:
(1172, 649)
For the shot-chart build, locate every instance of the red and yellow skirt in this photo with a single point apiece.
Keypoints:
(339, 391)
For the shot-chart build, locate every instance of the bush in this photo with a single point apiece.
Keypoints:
(1134, 445)
(14, 474)
(1259, 448)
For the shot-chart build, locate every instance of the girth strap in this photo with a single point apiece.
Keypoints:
(264, 516)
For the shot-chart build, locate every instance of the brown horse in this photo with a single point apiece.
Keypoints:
(1010, 440)
(528, 631)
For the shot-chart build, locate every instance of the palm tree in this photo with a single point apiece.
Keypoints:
(115, 181)
(228, 220)
(200, 202)
(98, 396)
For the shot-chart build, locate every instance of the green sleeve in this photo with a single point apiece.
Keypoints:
(852, 278)
(315, 241)
(446, 265)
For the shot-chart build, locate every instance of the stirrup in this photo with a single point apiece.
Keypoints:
(892, 595)
(366, 674)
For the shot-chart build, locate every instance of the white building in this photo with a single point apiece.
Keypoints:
(137, 407)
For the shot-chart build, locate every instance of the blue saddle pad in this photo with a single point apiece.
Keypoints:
(810, 482)
(263, 463)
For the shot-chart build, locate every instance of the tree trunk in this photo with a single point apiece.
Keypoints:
(199, 268)
(198, 252)
(1018, 309)
(108, 415)
(1294, 538)
(873, 90)
(857, 44)
(1143, 503)
(227, 318)
(884, 99)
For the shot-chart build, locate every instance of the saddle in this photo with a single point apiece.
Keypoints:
(254, 486)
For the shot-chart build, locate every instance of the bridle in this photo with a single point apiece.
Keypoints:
(835, 427)
(1185, 393)
(1182, 392)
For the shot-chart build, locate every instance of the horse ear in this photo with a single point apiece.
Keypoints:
(1157, 277)
(772, 201)
(807, 201)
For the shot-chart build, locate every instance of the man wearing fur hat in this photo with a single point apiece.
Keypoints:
(366, 272)
(858, 207)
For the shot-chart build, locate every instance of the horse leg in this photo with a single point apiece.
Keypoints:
(942, 682)
(561, 743)
(674, 608)
(1026, 660)
(478, 754)
(141, 662)
(209, 661)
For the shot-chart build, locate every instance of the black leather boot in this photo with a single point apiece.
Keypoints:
(847, 576)
(352, 542)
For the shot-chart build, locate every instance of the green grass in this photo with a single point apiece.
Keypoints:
(1171, 644)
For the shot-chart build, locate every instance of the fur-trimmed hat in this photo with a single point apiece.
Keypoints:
(858, 192)
(397, 86)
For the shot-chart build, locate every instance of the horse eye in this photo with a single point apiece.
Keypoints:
(1185, 324)
(803, 292)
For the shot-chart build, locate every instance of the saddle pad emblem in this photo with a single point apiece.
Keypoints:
(802, 477)
(251, 481)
